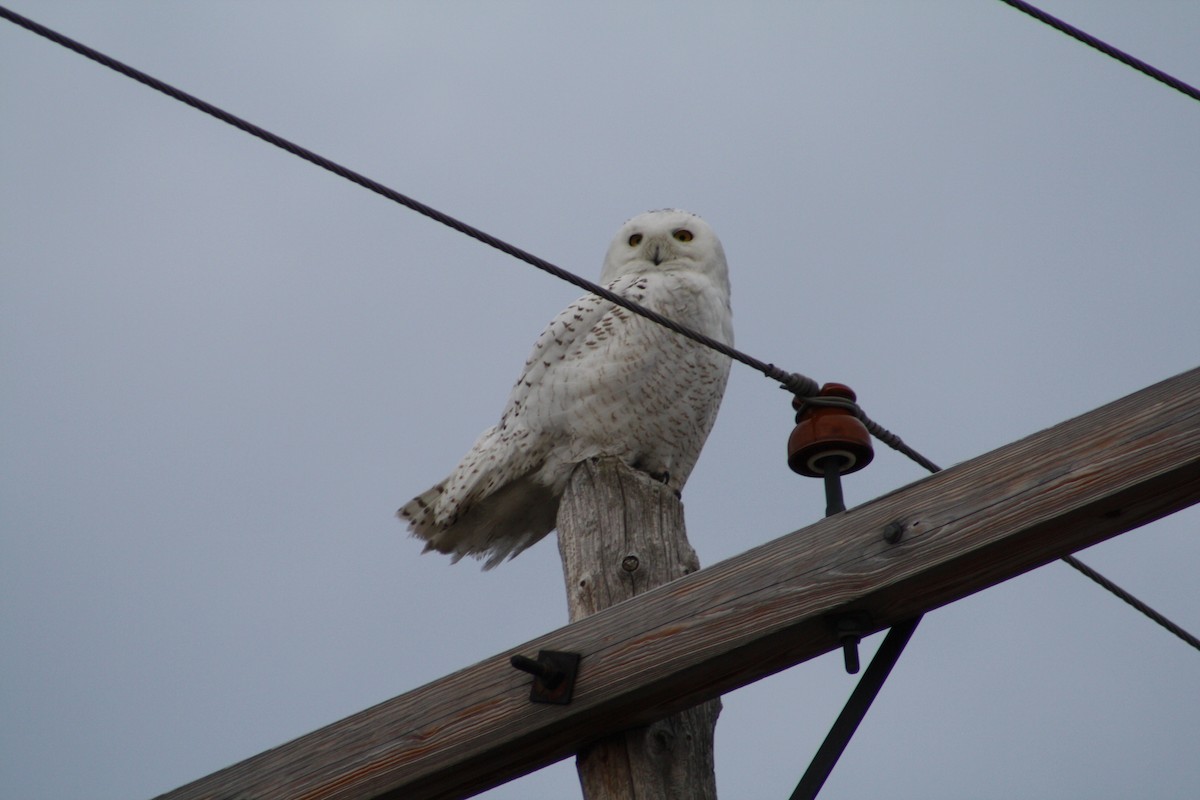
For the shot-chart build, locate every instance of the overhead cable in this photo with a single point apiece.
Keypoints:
(800, 385)
(1133, 601)
(1105, 47)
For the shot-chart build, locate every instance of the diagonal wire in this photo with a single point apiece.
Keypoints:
(1140, 605)
(889, 652)
(798, 384)
(1194, 93)
(1105, 47)
(1133, 601)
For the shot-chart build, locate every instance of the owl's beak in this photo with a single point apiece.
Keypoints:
(658, 253)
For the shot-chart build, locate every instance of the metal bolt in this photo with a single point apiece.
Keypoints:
(849, 629)
(554, 674)
(550, 676)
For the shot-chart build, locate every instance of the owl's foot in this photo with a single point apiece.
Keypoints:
(662, 476)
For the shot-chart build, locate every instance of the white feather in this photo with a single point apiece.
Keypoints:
(601, 381)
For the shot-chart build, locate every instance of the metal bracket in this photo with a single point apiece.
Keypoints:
(553, 674)
(855, 709)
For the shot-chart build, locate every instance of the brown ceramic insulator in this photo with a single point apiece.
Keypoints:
(823, 432)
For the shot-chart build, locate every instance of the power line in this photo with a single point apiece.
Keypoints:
(795, 383)
(798, 384)
(1194, 93)
(1105, 47)
(1133, 601)
(1114, 588)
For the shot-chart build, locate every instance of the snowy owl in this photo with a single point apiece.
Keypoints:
(602, 381)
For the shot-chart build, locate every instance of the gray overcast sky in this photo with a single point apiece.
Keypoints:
(224, 368)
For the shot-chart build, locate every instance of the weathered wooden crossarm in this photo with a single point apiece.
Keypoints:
(964, 529)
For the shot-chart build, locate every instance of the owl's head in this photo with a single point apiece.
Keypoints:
(663, 240)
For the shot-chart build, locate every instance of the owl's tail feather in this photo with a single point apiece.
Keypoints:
(494, 528)
(419, 514)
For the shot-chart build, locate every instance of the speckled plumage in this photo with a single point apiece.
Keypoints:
(602, 381)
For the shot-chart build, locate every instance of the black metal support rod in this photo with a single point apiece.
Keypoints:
(832, 466)
(855, 709)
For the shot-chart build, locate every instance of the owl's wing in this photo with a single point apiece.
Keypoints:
(600, 381)
(566, 341)
(592, 350)
(560, 366)
(605, 381)
(492, 502)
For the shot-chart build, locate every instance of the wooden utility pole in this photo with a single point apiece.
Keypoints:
(920, 547)
(620, 534)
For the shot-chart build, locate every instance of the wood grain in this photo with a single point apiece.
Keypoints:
(966, 528)
(621, 534)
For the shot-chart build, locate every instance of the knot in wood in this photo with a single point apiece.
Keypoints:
(630, 563)
(893, 532)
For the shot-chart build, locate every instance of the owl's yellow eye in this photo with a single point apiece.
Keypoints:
(635, 240)
(683, 235)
